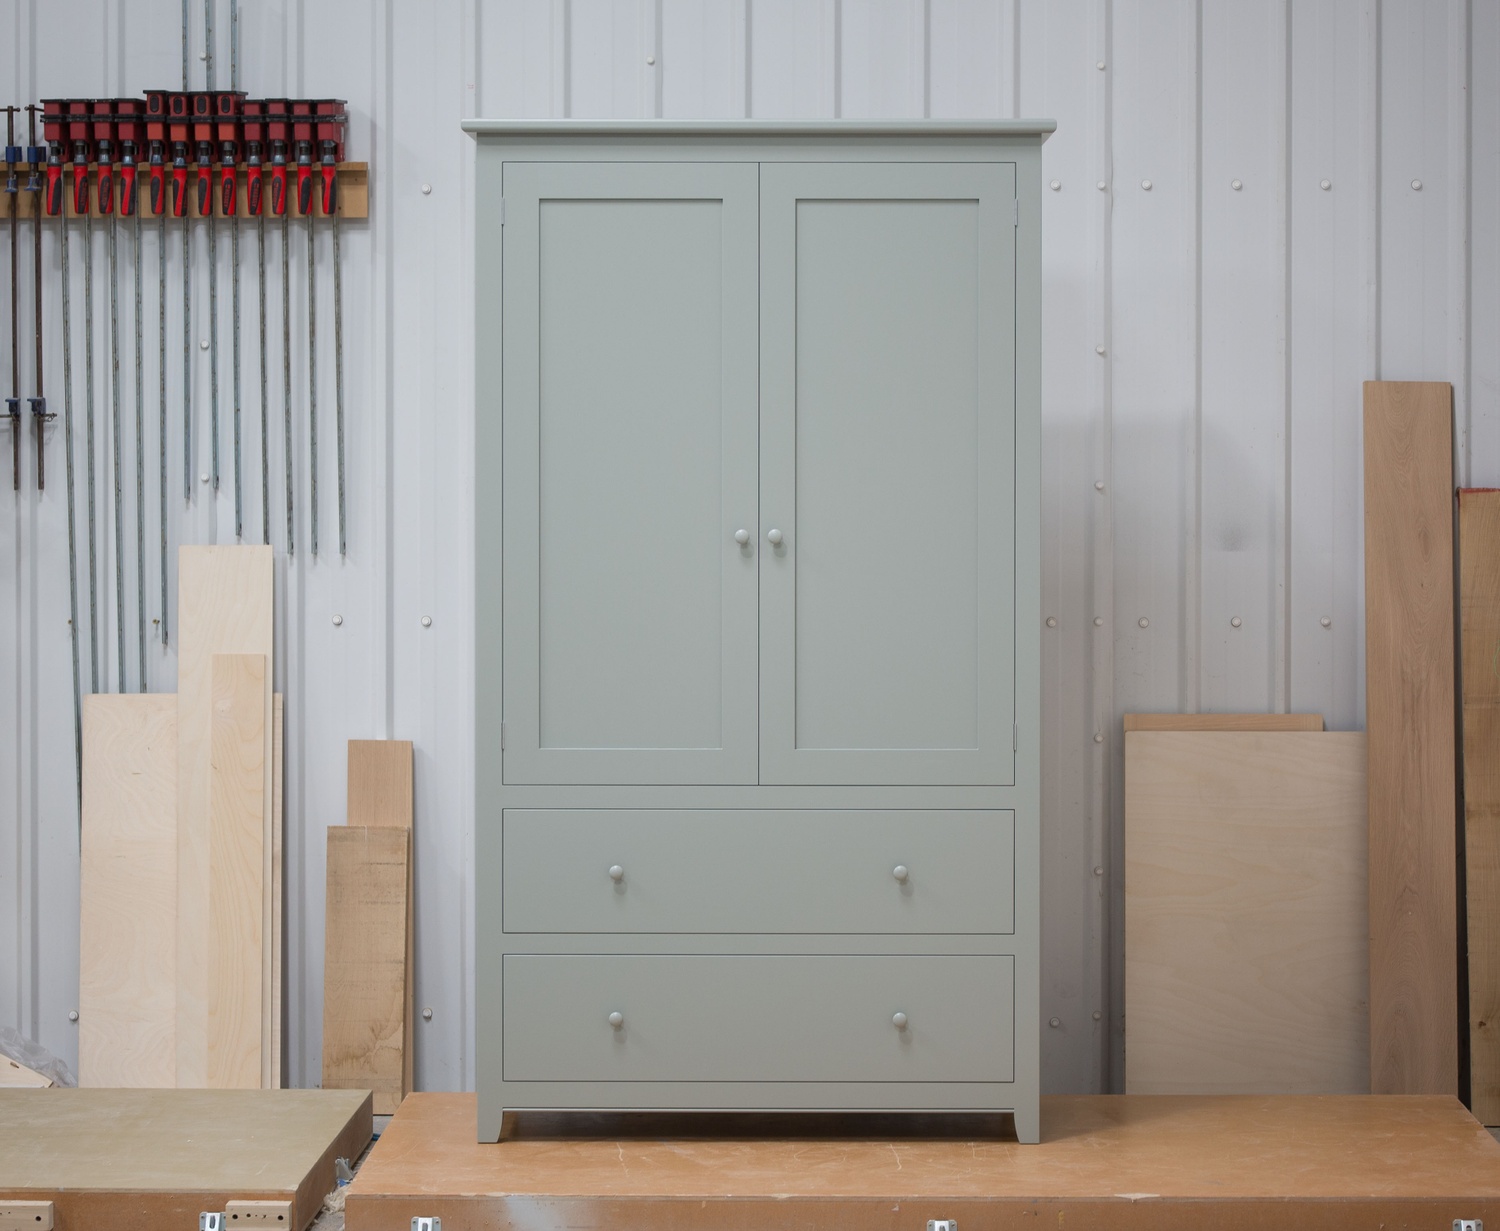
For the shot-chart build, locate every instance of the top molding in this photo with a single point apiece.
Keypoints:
(760, 128)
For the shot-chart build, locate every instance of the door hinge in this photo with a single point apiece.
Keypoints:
(1015, 212)
(502, 737)
(502, 211)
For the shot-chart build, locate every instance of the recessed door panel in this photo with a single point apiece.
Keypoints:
(630, 463)
(888, 477)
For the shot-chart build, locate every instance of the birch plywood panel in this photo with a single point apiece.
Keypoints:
(1479, 610)
(236, 863)
(1245, 910)
(127, 1004)
(1223, 722)
(1409, 672)
(272, 1028)
(364, 967)
(224, 607)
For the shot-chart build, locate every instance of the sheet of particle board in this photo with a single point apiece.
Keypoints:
(1166, 1163)
(1245, 913)
(1223, 722)
(224, 606)
(272, 1028)
(1410, 718)
(1479, 611)
(150, 1160)
(237, 856)
(127, 987)
(364, 968)
(381, 792)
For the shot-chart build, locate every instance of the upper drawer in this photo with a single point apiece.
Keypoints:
(746, 871)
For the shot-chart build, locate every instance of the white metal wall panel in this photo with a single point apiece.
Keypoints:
(1204, 467)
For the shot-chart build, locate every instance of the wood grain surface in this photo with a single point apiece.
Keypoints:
(1134, 1163)
(1246, 954)
(127, 985)
(223, 607)
(149, 1160)
(1410, 718)
(365, 986)
(1223, 722)
(16, 1075)
(272, 1028)
(1479, 612)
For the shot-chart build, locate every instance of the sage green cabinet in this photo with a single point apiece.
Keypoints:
(757, 694)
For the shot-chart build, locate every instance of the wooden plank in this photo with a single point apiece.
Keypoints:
(1410, 717)
(127, 987)
(1223, 722)
(381, 792)
(141, 1160)
(364, 968)
(15, 1075)
(224, 607)
(1164, 1163)
(278, 940)
(1245, 913)
(1479, 611)
(237, 858)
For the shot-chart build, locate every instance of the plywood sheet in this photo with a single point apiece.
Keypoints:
(1132, 1163)
(16, 1075)
(364, 969)
(237, 858)
(272, 1029)
(1479, 610)
(144, 1160)
(1223, 722)
(127, 1005)
(224, 607)
(1245, 912)
(1410, 718)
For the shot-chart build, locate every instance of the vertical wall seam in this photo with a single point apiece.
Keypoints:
(926, 59)
(1112, 963)
(838, 58)
(1283, 681)
(746, 64)
(1192, 641)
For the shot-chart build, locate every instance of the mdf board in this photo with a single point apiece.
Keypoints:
(888, 538)
(1410, 718)
(1223, 722)
(224, 607)
(127, 987)
(1245, 913)
(1479, 610)
(151, 1160)
(365, 1036)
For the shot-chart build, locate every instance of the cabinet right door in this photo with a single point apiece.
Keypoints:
(887, 579)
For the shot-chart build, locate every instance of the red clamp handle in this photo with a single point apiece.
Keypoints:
(278, 190)
(106, 189)
(127, 189)
(228, 181)
(179, 192)
(330, 190)
(158, 189)
(80, 189)
(254, 192)
(205, 190)
(304, 190)
(52, 200)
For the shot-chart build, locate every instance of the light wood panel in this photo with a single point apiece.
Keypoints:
(127, 1003)
(1245, 913)
(272, 1029)
(224, 607)
(15, 1075)
(1223, 722)
(364, 969)
(1410, 717)
(1479, 609)
(237, 858)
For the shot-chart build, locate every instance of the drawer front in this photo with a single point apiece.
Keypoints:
(734, 871)
(758, 1018)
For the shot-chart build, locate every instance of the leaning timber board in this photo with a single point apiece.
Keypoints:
(1223, 722)
(1410, 718)
(1128, 1163)
(152, 1160)
(127, 987)
(1245, 912)
(278, 855)
(1479, 612)
(224, 606)
(365, 979)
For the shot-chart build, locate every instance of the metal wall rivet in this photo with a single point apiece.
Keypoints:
(426, 190)
(1098, 350)
(72, 1015)
(1098, 621)
(1098, 1016)
(1098, 739)
(1055, 1022)
(1326, 622)
(1099, 64)
(203, 55)
(426, 1015)
(650, 59)
(1100, 185)
(1055, 185)
(1146, 184)
(203, 478)
(1325, 185)
(1143, 622)
(338, 621)
(1236, 185)
(1099, 485)
(1051, 621)
(1416, 185)
(426, 621)
(202, 343)
(1235, 622)
(1098, 871)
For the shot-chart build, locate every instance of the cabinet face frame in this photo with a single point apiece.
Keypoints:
(843, 141)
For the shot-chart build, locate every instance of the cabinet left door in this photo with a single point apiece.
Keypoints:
(629, 441)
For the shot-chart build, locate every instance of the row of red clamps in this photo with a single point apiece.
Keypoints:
(223, 128)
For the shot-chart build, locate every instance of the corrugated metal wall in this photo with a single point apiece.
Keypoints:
(1252, 207)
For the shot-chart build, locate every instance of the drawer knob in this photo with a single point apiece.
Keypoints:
(900, 872)
(617, 873)
(742, 537)
(773, 537)
(899, 1021)
(617, 1020)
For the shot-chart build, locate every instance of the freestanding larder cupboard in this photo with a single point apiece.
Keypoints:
(757, 616)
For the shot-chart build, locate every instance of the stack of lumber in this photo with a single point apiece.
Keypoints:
(367, 968)
(1245, 906)
(180, 930)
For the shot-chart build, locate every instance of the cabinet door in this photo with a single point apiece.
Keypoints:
(887, 473)
(629, 439)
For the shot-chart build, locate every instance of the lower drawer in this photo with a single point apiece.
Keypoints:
(678, 1017)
